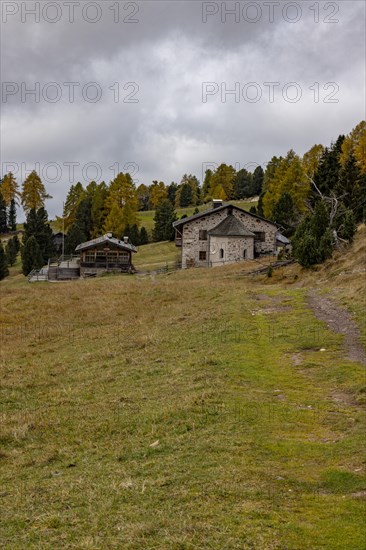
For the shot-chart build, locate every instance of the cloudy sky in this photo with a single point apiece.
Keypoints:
(163, 88)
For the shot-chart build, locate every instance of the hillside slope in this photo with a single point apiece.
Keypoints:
(203, 409)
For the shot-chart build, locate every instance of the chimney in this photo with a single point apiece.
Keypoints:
(216, 203)
(109, 235)
(125, 240)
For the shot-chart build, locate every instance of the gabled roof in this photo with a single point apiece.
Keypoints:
(231, 227)
(218, 209)
(106, 239)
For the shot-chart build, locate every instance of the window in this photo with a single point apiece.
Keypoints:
(202, 235)
(244, 254)
(89, 257)
(259, 236)
(202, 255)
(221, 253)
(112, 257)
(124, 257)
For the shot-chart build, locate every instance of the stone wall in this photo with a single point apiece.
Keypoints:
(191, 245)
(235, 249)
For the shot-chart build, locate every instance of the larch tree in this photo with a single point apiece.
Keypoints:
(114, 222)
(222, 181)
(122, 192)
(34, 193)
(158, 193)
(10, 189)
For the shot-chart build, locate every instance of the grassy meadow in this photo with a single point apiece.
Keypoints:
(197, 410)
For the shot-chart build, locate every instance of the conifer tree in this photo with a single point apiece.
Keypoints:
(16, 243)
(74, 237)
(164, 218)
(4, 271)
(258, 177)
(33, 193)
(12, 216)
(31, 256)
(3, 215)
(37, 226)
(144, 238)
(11, 252)
(9, 189)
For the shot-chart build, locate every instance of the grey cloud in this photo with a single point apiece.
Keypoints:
(169, 54)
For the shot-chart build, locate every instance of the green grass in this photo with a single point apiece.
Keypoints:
(153, 255)
(170, 413)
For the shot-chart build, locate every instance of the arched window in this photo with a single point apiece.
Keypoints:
(221, 253)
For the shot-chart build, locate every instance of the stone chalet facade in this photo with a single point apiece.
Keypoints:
(224, 235)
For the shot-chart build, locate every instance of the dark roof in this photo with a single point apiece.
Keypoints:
(231, 227)
(107, 240)
(218, 209)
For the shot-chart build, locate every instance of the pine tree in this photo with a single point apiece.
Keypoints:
(207, 185)
(134, 235)
(350, 186)
(74, 237)
(3, 215)
(284, 213)
(164, 218)
(31, 256)
(349, 226)
(11, 252)
(144, 239)
(306, 249)
(325, 246)
(16, 243)
(12, 216)
(83, 217)
(260, 211)
(33, 193)
(74, 196)
(4, 271)
(258, 177)
(242, 185)
(185, 196)
(327, 174)
(172, 191)
(37, 226)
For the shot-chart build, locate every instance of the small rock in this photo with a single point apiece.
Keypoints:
(155, 444)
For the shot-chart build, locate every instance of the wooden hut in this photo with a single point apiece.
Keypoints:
(106, 254)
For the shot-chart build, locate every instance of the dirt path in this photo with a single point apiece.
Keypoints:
(339, 320)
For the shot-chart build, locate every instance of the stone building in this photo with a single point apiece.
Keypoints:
(223, 235)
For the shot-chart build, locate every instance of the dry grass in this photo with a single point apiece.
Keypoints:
(193, 410)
